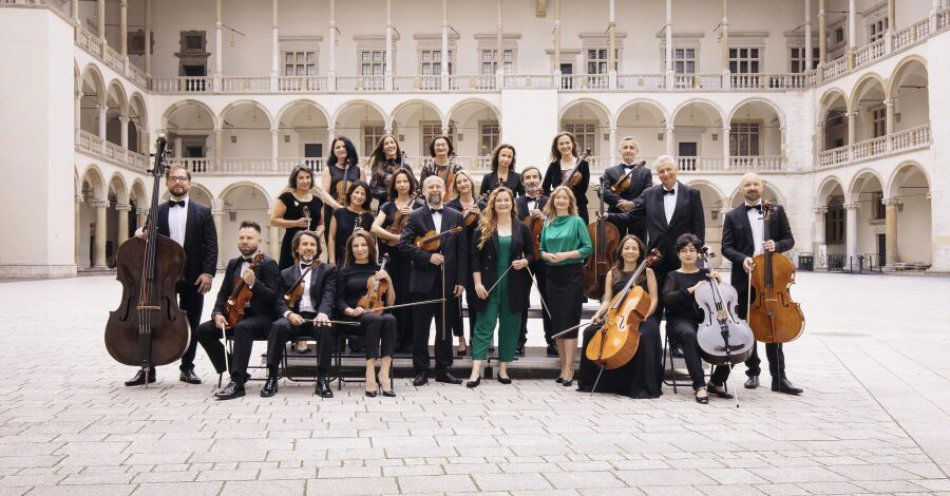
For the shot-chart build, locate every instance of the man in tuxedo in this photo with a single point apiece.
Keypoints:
(532, 204)
(258, 314)
(191, 226)
(313, 308)
(743, 237)
(667, 210)
(640, 179)
(428, 270)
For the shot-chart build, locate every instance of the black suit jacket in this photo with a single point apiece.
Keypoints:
(737, 240)
(553, 179)
(201, 240)
(512, 182)
(322, 288)
(641, 180)
(485, 260)
(265, 287)
(521, 205)
(454, 247)
(687, 217)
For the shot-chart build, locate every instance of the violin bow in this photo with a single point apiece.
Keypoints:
(503, 274)
(569, 329)
(332, 322)
(224, 339)
(544, 305)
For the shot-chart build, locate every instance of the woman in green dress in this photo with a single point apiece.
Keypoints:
(501, 250)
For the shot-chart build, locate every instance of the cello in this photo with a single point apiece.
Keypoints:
(149, 329)
(605, 237)
(772, 315)
(722, 336)
(617, 340)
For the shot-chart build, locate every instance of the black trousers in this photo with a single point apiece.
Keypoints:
(683, 332)
(251, 328)
(458, 326)
(773, 351)
(192, 303)
(422, 316)
(538, 270)
(282, 331)
(634, 227)
(378, 332)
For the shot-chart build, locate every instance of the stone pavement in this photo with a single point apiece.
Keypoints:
(874, 417)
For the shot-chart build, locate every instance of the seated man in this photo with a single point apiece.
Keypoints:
(258, 313)
(303, 316)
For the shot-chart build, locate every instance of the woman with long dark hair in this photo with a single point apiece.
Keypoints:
(385, 160)
(564, 158)
(342, 170)
(300, 208)
(345, 220)
(502, 171)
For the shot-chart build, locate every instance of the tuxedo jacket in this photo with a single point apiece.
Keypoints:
(641, 179)
(201, 239)
(267, 277)
(322, 288)
(426, 277)
(737, 240)
(521, 205)
(485, 262)
(512, 182)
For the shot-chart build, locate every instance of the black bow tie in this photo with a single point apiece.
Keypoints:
(248, 259)
(173, 203)
(629, 166)
(304, 267)
(756, 207)
(669, 191)
(436, 210)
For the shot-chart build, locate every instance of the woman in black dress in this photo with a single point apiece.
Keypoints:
(378, 329)
(683, 316)
(401, 199)
(563, 159)
(502, 171)
(640, 377)
(345, 220)
(385, 160)
(466, 203)
(342, 171)
(298, 209)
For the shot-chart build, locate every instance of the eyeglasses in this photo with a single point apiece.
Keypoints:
(180, 179)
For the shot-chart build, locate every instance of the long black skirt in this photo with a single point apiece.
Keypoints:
(565, 285)
(640, 378)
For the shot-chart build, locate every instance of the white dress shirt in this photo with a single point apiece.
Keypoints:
(177, 220)
(669, 201)
(757, 223)
(436, 217)
(306, 303)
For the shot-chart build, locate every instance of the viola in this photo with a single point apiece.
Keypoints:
(573, 178)
(148, 328)
(240, 296)
(617, 340)
(292, 296)
(623, 184)
(449, 179)
(722, 336)
(376, 289)
(431, 241)
(773, 315)
(470, 217)
(605, 238)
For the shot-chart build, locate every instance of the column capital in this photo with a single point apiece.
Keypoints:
(218, 211)
(821, 210)
(103, 204)
(123, 207)
(889, 102)
(852, 206)
(141, 211)
(892, 201)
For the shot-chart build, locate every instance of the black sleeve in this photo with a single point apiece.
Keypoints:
(678, 301)
(484, 188)
(224, 292)
(266, 284)
(621, 217)
(610, 198)
(474, 253)
(729, 242)
(519, 186)
(407, 245)
(209, 240)
(785, 241)
(584, 171)
(548, 185)
(698, 217)
(280, 305)
(329, 291)
(528, 242)
(340, 293)
(462, 253)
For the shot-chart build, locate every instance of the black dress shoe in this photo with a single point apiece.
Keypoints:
(270, 387)
(559, 380)
(372, 394)
(139, 378)
(473, 384)
(701, 399)
(714, 390)
(389, 394)
(447, 378)
(519, 350)
(785, 386)
(324, 389)
(421, 380)
(504, 380)
(567, 383)
(188, 375)
(231, 391)
(552, 350)
(752, 382)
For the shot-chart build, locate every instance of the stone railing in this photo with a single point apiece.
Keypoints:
(355, 84)
(197, 165)
(700, 164)
(697, 82)
(414, 84)
(910, 139)
(473, 83)
(768, 81)
(835, 68)
(641, 82)
(529, 81)
(832, 157)
(757, 163)
(288, 163)
(184, 84)
(245, 84)
(913, 33)
(869, 148)
(869, 53)
(584, 82)
(301, 84)
(91, 144)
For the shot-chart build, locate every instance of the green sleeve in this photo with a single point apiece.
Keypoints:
(543, 239)
(586, 247)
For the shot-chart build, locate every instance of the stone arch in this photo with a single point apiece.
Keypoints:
(409, 121)
(761, 119)
(868, 108)
(901, 67)
(697, 134)
(481, 119)
(588, 130)
(833, 108)
(304, 126)
(894, 182)
(116, 89)
(181, 104)
(645, 120)
(282, 113)
(769, 192)
(713, 214)
(96, 180)
(910, 210)
(93, 75)
(596, 104)
(118, 185)
(764, 101)
(470, 101)
(246, 200)
(866, 81)
(910, 93)
(701, 101)
(138, 194)
(826, 188)
(859, 180)
(374, 119)
(138, 123)
(233, 106)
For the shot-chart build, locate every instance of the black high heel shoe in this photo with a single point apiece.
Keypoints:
(568, 383)
(559, 380)
(504, 380)
(473, 384)
(714, 389)
(389, 394)
(701, 399)
(372, 394)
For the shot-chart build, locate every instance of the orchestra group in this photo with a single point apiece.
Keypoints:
(379, 255)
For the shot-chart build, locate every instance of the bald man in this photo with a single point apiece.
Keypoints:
(743, 237)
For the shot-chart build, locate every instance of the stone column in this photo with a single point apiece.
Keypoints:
(669, 44)
(851, 133)
(124, 28)
(821, 33)
(557, 42)
(808, 47)
(852, 33)
(273, 148)
(74, 11)
(177, 147)
(216, 156)
(331, 41)
(891, 27)
(499, 52)
(889, 116)
(444, 73)
(124, 132)
(148, 37)
(613, 146)
(274, 242)
(123, 225)
(388, 83)
(275, 51)
(141, 215)
(892, 206)
(77, 117)
(669, 140)
(820, 234)
(102, 122)
(77, 227)
(724, 138)
(612, 55)
(724, 44)
(99, 249)
(934, 8)
(101, 13)
(851, 233)
(217, 213)
(218, 44)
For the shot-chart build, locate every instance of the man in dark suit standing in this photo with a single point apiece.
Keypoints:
(435, 275)
(743, 237)
(640, 178)
(258, 314)
(191, 226)
(531, 204)
(314, 307)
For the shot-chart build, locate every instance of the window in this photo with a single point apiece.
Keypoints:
(429, 130)
(300, 63)
(137, 43)
(489, 61)
(878, 210)
(488, 137)
(372, 62)
(597, 60)
(877, 29)
(834, 221)
(194, 42)
(684, 60)
(839, 35)
(878, 121)
(431, 62)
(797, 59)
(585, 133)
(744, 139)
(372, 133)
(744, 60)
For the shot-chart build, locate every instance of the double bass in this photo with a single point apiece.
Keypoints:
(773, 316)
(617, 340)
(605, 238)
(722, 336)
(149, 329)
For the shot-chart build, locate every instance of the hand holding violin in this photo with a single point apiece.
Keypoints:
(248, 275)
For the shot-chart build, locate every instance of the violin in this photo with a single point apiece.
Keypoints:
(623, 184)
(400, 219)
(376, 289)
(149, 329)
(292, 296)
(431, 241)
(470, 216)
(535, 225)
(240, 296)
(343, 184)
(573, 178)
(617, 340)
(605, 238)
(722, 336)
(450, 180)
(772, 314)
